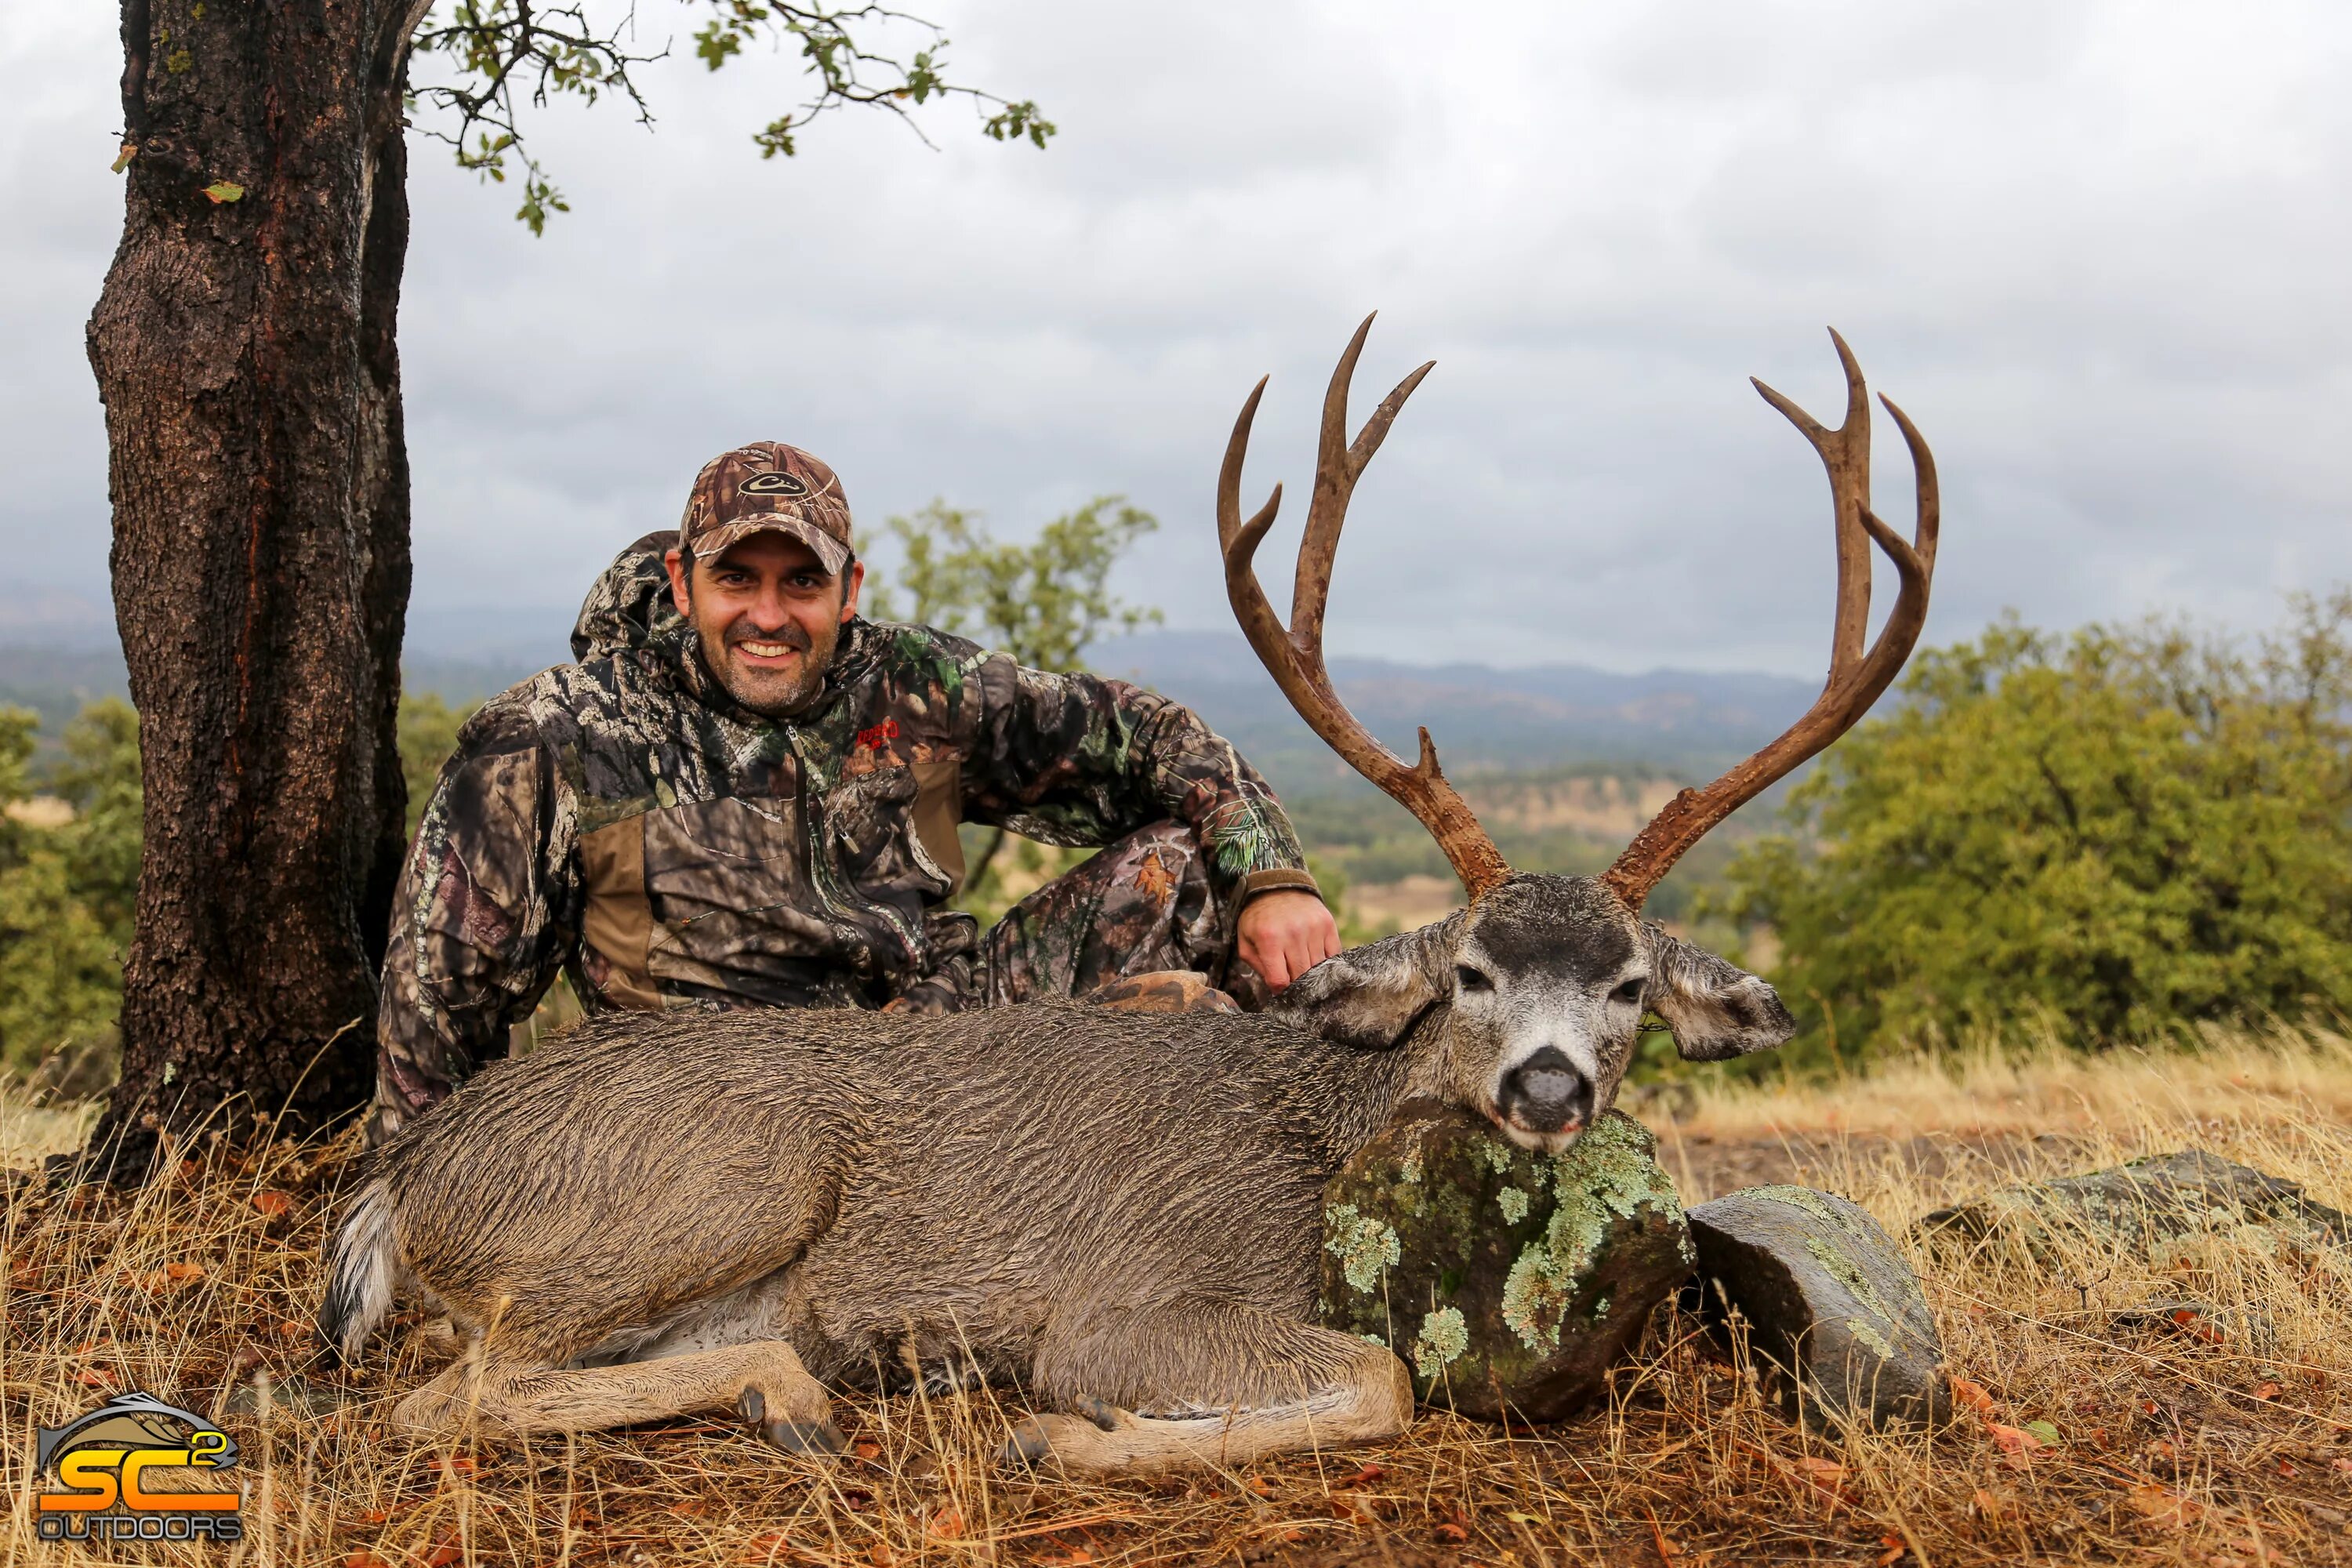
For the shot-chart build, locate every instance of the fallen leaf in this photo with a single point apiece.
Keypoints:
(2047, 1432)
(867, 1449)
(270, 1201)
(97, 1377)
(1259, 1485)
(454, 1465)
(1517, 1518)
(184, 1272)
(2161, 1504)
(2015, 1439)
(225, 191)
(1451, 1531)
(1824, 1476)
(765, 1548)
(947, 1524)
(1895, 1547)
(448, 1547)
(1366, 1475)
(1988, 1506)
(1971, 1396)
(1667, 1549)
(364, 1559)
(2264, 1391)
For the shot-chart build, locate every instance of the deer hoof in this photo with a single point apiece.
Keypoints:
(820, 1438)
(1029, 1445)
(1101, 1412)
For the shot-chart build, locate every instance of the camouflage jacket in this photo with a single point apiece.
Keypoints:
(623, 819)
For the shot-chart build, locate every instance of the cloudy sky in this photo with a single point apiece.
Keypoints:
(2097, 249)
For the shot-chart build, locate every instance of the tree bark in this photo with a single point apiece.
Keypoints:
(244, 353)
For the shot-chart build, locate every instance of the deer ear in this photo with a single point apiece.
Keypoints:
(1371, 996)
(1717, 1010)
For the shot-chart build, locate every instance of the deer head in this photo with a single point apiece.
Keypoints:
(1526, 1006)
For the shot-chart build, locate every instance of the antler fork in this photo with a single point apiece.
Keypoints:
(1856, 679)
(1294, 654)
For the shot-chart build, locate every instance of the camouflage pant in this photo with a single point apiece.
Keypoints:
(1140, 905)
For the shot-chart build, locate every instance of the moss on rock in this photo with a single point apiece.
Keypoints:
(1546, 1266)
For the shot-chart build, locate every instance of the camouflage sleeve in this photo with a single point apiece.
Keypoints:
(1081, 759)
(483, 916)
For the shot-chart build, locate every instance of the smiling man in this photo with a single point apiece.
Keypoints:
(746, 795)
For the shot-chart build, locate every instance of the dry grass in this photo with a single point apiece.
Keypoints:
(2182, 1450)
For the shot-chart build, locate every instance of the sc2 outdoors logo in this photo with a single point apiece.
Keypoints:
(99, 1461)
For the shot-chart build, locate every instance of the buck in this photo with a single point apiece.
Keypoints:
(1119, 1211)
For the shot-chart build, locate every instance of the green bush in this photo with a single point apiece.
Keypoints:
(428, 735)
(2106, 835)
(67, 888)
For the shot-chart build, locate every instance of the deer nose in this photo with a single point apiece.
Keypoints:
(1546, 1093)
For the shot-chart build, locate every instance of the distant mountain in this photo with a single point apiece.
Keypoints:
(1687, 722)
(1690, 722)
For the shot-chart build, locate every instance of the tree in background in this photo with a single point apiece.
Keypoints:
(428, 735)
(69, 878)
(244, 347)
(1044, 602)
(2109, 834)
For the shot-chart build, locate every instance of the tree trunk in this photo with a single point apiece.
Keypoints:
(244, 351)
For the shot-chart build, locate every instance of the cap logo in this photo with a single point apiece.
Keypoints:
(774, 484)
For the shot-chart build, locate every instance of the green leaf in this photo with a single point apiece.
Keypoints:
(222, 190)
(2046, 1432)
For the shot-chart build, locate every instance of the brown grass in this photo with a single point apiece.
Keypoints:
(2183, 1448)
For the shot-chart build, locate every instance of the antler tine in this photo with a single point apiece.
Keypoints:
(1337, 464)
(1294, 657)
(1856, 679)
(1239, 541)
(1845, 453)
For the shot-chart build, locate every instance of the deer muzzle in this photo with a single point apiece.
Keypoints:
(1546, 1094)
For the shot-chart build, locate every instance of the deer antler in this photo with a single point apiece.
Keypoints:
(1295, 655)
(1856, 679)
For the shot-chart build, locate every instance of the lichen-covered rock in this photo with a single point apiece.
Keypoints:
(1508, 1280)
(2147, 1209)
(1830, 1306)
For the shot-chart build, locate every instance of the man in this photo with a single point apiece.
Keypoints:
(744, 794)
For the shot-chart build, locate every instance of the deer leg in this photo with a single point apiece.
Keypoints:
(1201, 1382)
(763, 1381)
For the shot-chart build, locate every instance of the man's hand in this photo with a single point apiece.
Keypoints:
(1286, 932)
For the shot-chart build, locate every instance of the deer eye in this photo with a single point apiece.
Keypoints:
(1631, 991)
(1466, 978)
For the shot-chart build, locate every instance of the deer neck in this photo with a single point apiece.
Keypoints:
(1371, 1084)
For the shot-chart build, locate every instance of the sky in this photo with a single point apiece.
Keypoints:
(2097, 249)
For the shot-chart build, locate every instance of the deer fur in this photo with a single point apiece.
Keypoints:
(656, 1215)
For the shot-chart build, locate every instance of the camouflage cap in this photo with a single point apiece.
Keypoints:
(766, 485)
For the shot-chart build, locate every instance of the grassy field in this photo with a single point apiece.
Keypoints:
(2206, 1447)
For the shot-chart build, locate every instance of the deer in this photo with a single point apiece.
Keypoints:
(1116, 1211)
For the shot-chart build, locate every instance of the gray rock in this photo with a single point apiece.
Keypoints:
(1509, 1282)
(1831, 1309)
(2143, 1209)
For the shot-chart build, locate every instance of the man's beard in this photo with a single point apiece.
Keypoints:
(773, 694)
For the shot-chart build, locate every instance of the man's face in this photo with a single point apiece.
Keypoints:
(768, 616)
